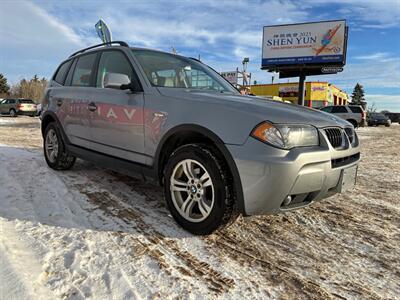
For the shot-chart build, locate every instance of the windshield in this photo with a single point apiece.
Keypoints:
(173, 71)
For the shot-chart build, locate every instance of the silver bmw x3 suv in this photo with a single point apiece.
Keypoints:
(217, 153)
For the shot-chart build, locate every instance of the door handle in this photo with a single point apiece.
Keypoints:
(92, 106)
(59, 102)
(158, 114)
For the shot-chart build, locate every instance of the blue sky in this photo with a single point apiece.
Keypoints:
(37, 35)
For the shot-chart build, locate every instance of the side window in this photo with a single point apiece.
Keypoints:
(84, 70)
(11, 101)
(355, 109)
(68, 80)
(327, 109)
(114, 62)
(165, 78)
(62, 72)
(339, 109)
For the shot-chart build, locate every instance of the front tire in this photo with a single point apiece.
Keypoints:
(198, 189)
(55, 153)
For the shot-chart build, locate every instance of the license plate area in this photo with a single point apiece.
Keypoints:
(348, 178)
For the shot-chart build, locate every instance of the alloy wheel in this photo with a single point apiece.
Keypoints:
(192, 190)
(51, 145)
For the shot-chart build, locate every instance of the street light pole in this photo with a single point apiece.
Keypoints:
(302, 78)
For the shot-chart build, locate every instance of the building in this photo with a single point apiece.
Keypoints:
(317, 94)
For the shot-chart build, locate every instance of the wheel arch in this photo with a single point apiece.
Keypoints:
(192, 133)
(47, 118)
(353, 122)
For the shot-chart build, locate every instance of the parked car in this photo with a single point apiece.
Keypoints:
(216, 152)
(351, 113)
(14, 107)
(394, 117)
(376, 119)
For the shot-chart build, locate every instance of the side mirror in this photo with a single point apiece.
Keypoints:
(116, 80)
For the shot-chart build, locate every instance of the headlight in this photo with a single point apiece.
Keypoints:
(286, 136)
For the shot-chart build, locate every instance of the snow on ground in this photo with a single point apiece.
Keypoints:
(92, 233)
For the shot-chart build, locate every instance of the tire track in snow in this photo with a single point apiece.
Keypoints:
(158, 246)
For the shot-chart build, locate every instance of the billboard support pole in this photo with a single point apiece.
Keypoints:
(302, 78)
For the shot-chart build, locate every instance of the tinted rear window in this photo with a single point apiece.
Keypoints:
(327, 109)
(84, 70)
(27, 101)
(356, 109)
(62, 72)
(339, 109)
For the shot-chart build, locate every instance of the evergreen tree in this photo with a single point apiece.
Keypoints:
(4, 87)
(357, 97)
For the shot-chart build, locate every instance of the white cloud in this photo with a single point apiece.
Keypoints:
(222, 31)
(379, 56)
(23, 24)
(377, 14)
(380, 97)
(32, 40)
(374, 74)
(384, 102)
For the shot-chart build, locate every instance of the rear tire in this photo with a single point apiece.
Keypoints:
(13, 113)
(198, 189)
(55, 153)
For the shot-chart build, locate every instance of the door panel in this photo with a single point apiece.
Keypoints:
(117, 115)
(71, 105)
(117, 124)
(72, 100)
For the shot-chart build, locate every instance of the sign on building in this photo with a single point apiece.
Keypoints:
(288, 91)
(231, 76)
(322, 43)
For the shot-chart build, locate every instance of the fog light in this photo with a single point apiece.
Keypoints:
(287, 201)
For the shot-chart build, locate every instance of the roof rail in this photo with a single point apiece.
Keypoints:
(98, 45)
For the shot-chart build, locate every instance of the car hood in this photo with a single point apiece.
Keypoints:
(260, 108)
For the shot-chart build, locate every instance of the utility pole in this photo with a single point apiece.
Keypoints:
(244, 73)
(302, 78)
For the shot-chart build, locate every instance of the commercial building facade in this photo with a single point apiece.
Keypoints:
(317, 94)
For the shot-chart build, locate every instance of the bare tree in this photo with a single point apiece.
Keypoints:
(372, 108)
(30, 89)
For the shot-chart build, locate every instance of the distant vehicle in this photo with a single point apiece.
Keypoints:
(394, 117)
(376, 119)
(351, 113)
(14, 107)
(216, 152)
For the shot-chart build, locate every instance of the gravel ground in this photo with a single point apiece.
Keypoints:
(93, 233)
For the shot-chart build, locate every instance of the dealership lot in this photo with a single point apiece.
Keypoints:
(93, 233)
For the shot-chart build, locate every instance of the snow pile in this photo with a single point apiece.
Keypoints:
(92, 233)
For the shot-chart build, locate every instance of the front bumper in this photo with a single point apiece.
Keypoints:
(269, 175)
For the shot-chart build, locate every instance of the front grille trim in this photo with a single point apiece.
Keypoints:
(344, 161)
(335, 137)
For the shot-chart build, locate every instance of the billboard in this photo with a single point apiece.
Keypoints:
(302, 44)
(232, 76)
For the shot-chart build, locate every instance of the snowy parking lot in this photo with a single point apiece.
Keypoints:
(93, 233)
